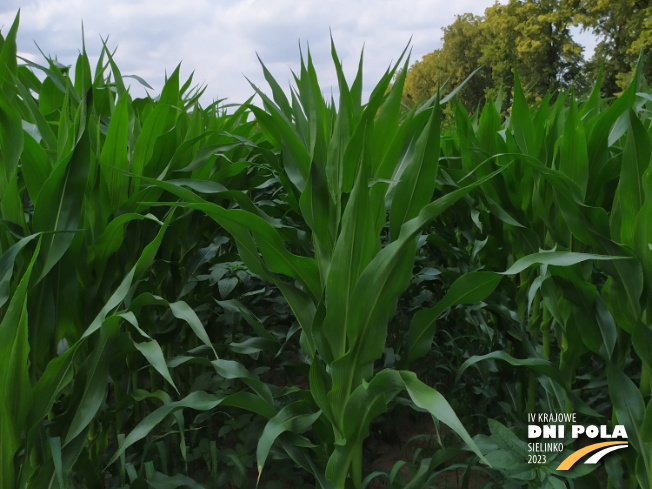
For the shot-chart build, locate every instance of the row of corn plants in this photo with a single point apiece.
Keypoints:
(159, 259)
(97, 278)
(580, 184)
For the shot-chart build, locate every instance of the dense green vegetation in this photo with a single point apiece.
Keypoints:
(535, 37)
(197, 298)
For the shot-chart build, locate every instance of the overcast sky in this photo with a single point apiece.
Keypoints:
(219, 39)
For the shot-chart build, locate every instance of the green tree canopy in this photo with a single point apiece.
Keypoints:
(534, 36)
(460, 56)
(624, 29)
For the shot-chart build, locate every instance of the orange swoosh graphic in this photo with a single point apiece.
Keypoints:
(574, 457)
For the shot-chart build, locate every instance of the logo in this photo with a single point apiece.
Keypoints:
(551, 429)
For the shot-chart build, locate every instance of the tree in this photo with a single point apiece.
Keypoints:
(624, 28)
(424, 77)
(532, 35)
(459, 57)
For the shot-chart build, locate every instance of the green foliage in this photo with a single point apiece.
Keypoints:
(624, 32)
(531, 36)
(460, 56)
(534, 38)
(560, 194)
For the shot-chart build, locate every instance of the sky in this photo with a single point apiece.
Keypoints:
(220, 40)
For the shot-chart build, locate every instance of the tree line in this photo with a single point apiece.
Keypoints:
(534, 37)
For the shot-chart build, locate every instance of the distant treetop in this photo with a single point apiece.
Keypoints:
(534, 36)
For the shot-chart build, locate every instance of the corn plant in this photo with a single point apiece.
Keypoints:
(580, 185)
(125, 307)
(343, 170)
(88, 285)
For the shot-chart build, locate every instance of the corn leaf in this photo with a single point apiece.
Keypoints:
(16, 392)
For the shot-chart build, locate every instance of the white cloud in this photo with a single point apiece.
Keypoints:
(219, 39)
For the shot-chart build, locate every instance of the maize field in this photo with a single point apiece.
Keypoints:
(268, 296)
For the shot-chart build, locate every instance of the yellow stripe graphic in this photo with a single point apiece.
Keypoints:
(574, 457)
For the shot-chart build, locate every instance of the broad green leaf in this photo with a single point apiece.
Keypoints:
(629, 410)
(16, 392)
(354, 249)
(574, 158)
(151, 350)
(342, 132)
(250, 402)
(646, 425)
(539, 365)
(114, 158)
(197, 400)
(170, 93)
(295, 449)
(7, 261)
(55, 449)
(162, 481)
(58, 374)
(521, 123)
(112, 237)
(60, 202)
(630, 197)
(622, 291)
(608, 329)
(11, 205)
(296, 158)
(555, 258)
(269, 244)
(277, 92)
(230, 369)
(45, 131)
(370, 400)
(643, 230)
(251, 319)
(386, 123)
(506, 438)
(296, 417)
(36, 166)
(425, 397)
(365, 403)
(470, 288)
(180, 310)
(117, 76)
(417, 184)
(8, 52)
(319, 210)
(600, 131)
(119, 295)
(319, 387)
(158, 122)
(11, 138)
(97, 377)
(50, 97)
